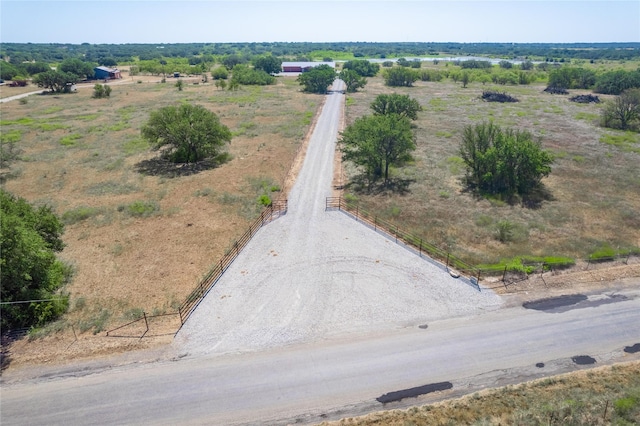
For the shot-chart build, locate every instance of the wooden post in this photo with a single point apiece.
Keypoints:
(146, 323)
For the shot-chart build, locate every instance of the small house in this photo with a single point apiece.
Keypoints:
(104, 73)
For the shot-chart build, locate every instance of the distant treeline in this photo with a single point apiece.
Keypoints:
(123, 53)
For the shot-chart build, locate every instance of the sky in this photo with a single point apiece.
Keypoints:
(213, 21)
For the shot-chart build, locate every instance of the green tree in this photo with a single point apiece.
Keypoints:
(220, 73)
(401, 105)
(465, 78)
(8, 71)
(242, 74)
(623, 112)
(29, 270)
(318, 79)
(362, 67)
(503, 162)
(352, 80)
(56, 81)
(377, 142)
(34, 68)
(187, 133)
(400, 76)
(269, 64)
(180, 85)
(101, 91)
(78, 67)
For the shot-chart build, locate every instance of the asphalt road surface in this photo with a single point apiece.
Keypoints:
(332, 379)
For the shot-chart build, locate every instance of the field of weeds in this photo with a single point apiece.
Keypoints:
(138, 237)
(593, 191)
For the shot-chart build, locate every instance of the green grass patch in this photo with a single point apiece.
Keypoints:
(12, 136)
(437, 104)
(627, 141)
(135, 146)
(49, 127)
(589, 116)
(140, 208)
(350, 101)
(443, 134)
(605, 252)
(87, 117)
(527, 264)
(52, 109)
(23, 121)
(70, 140)
(79, 214)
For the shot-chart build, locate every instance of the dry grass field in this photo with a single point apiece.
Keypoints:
(140, 241)
(594, 186)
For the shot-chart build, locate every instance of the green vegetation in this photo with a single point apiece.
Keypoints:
(140, 208)
(362, 67)
(623, 112)
(101, 91)
(191, 133)
(56, 81)
(29, 239)
(377, 142)
(242, 74)
(401, 105)
(400, 77)
(352, 80)
(507, 163)
(79, 214)
(318, 79)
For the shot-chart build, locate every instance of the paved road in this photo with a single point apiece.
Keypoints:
(335, 378)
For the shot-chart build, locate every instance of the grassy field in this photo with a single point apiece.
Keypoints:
(594, 187)
(602, 396)
(140, 239)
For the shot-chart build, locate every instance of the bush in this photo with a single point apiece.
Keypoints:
(242, 74)
(400, 77)
(503, 162)
(101, 91)
(140, 208)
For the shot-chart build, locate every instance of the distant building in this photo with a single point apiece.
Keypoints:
(104, 73)
(303, 66)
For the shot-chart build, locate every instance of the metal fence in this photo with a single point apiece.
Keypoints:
(447, 260)
(276, 209)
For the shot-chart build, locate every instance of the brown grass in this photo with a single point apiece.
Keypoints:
(594, 187)
(80, 154)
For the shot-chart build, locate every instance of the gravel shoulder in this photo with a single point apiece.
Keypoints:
(314, 274)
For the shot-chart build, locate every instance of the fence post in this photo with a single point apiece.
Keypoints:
(146, 323)
(626, 262)
(420, 247)
(447, 260)
(588, 262)
(357, 210)
(504, 273)
(478, 280)
(396, 234)
(375, 223)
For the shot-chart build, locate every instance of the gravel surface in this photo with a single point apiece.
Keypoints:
(314, 274)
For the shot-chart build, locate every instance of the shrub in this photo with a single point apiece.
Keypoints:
(140, 208)
(79, 214)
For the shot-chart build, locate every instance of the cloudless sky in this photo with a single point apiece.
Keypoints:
(142, 21)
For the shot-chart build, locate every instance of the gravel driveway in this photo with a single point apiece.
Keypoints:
(312, 274)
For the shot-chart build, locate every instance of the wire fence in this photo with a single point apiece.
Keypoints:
(510, 273)
(276, 209)
(447, 260)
